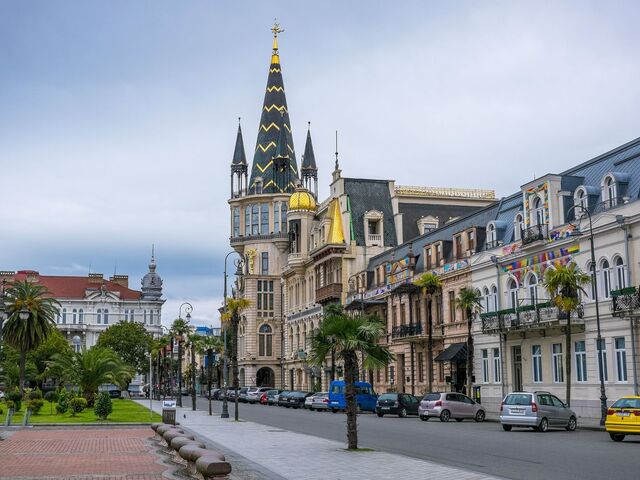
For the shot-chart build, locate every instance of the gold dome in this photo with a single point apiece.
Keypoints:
(301, 199)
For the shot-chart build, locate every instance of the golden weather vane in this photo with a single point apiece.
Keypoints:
(276, 28)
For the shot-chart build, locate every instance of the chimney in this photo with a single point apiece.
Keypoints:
(122, 280)
(96, 278)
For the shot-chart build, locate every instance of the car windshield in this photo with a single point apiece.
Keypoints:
(363, 390)
(627, 403)
(518, 399)
(272, 392)
(388, 396)
(337, 389)
(431, 397)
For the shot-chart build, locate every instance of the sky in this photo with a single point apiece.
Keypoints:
(118, 119)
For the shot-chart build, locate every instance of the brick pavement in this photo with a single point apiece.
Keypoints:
(287, 455)
(81, 453)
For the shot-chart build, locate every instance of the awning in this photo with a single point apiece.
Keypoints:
(455, 352)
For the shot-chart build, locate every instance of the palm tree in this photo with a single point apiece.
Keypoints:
(469, 301)
(180, 328)
(157, 350)
(430, 284)
(208, 346)
(194, 345)
(31, 318)
(564, 282)
(349, 337)
(91, 368)
(233, 309)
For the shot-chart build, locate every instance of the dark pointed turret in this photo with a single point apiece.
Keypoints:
(281, 171)
(239, 167)
(275, 116)
(309, 170)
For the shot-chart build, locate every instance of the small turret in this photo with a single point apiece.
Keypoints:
(239, 169)
(309, 169)
(151, 282)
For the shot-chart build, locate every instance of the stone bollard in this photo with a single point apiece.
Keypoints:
(178, 442)
(190, 453)
(170, 435)
(211, 467)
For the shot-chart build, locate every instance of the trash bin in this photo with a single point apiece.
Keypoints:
(477, 396)
(169, 412)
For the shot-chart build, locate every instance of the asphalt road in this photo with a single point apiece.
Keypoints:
(483, 447)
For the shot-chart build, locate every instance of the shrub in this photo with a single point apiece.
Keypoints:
(35, 394)
(16, 398)
(11, 404)
(77, 404)
(103, 406)
(35, 405)
(63, 402)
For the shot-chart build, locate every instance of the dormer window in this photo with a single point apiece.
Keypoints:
(471, 240)
(537, 211)
(518, 226)
(438, 254)
(492, 239)
(580, 200)
(258, 186)
(427, 224)
(609, 192)
(458, 245)
(374, 226)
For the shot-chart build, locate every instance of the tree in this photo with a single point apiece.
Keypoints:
(103, 406)
(194, 345)
(564, 282)
(158, 348)
(208, 346)
(349, 337)
(91, 368)
(233, 309)
(41, 357)
(469, 301)
(430, 285)
(33, 301)
(180, 328)
(130, 340)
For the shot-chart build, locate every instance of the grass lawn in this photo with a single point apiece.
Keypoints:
(124, 410)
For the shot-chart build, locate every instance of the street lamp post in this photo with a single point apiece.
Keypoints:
(225, 368)
(594, 287)
(3, 317)
(188, 309)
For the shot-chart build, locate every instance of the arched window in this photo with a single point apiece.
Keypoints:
(74, 316)
(581, 201)
(605, 271)
(491, 235)
(64, 315)
(590, 272)
(131, 316)
(265, 341)
(150, 317)
(105, 316)
(494, 298)
(532, 288)
(81, 316)
(537, 213)
(99, 316)
(486, 301)
(512, 293)
(518, 226)
(621, 277)
(609, 192)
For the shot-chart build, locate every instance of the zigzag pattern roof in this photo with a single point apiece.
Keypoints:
(274, 114)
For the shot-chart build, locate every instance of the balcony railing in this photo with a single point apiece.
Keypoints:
(401, 331)
(610, 203)
(534, 233)
(492, 244)
(374, 239)
(539, 316)
(272, 236)
(625, 301)
(329, 293)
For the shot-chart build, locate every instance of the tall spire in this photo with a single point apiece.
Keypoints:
(239, 158)
(309, 169)
(274, 113)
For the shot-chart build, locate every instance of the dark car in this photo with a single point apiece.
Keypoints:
(115, 393)
(296, 399)
(401, 404)
(273, 395)
(283, 398)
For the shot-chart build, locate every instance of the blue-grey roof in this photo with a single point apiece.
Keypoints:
(365, 195)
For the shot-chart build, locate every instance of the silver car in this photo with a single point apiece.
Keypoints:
(448, 405)
(538, 410)
(316, 401)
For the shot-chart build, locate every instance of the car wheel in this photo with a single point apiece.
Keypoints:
(424, 418)
(480, 416)
(459, 419)
(506, 428)
(544, 425)
(445, 416)
(403, 413)
(333, 410)
(571, 426)
(311, 409)
(617, 437)
(380, 414)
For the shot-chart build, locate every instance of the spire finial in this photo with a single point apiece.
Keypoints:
(239, 118)
(276, 30)
(337, 166)
(308, 125)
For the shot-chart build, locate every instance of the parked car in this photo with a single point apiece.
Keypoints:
(448, 405)
(242, 394)
(366, 399)
(308, 402)
(115, 393)
(538, 410)
(401, 404)
(254, 394)
(320, 402)
(231, 394)
(296, 399)
(623, 418)
(282, 398)
(272, 396)
(213, 393)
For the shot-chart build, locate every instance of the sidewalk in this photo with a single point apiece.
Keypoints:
(277, 454)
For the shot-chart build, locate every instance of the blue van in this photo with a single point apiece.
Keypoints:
(364, 396)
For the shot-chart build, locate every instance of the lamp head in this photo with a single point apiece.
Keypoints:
(24, 314)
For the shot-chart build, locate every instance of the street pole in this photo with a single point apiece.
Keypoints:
(193, 376)
(225, 368)
(150, 385)
(209, 362)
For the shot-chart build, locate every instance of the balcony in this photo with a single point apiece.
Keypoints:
(295, 260)
(625, 301)
(374, 239)
(329, 293)
(528, 317)
(534, 233)
(284, 237)
(611, 203)
(492, 244)
(402, 331)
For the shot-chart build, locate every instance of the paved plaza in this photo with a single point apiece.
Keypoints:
(81, 453)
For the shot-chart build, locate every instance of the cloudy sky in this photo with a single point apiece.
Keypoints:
(118, 118)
